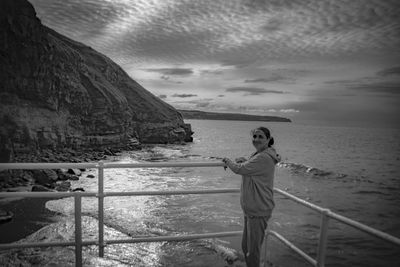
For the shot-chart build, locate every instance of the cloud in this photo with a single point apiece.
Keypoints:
(389, 72)
(197, 103)
(211, 72)
(390, 88)
(290, 110)
(273, 24)
(202, 104)
(226, 32)
(183, 95)
(162, 96)
(341, 82)
(168, 79)
(272, 78)
(171, 71)
(381, 83)
(249, 109)
(253, 90)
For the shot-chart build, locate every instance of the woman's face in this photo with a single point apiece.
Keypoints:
(260, 141)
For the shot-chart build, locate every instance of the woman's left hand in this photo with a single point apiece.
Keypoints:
(226, 161)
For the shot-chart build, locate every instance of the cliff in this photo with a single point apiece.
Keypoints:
(202, 115)
(56, 92)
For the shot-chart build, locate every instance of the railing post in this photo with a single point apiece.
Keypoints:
(78, 230)
(100, 195)
(323, 238)
(265, 248)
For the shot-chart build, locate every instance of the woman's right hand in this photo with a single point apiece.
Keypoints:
(240, 160)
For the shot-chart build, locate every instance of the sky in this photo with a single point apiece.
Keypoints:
(328, 62)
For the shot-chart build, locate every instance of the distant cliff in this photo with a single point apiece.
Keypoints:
(56, 92)
(202, 115)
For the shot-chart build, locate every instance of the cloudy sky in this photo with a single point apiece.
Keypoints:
(314, 61)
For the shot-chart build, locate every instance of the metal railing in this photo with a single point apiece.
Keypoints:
(326, 214)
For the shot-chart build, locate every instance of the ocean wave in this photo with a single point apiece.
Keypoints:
(158, 153)
(313, 172)
(308, 170)
(369, 192)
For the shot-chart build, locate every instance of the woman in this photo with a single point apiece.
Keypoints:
(256, 194)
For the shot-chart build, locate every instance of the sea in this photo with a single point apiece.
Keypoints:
(352, 171)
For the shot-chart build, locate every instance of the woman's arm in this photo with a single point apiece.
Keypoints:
(254, 166)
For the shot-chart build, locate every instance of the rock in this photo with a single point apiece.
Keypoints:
(75, 171)
(63, 186)
(90, 176)
(162, 132)
(73, 177)
(44, 176)
(5, 216)
(52, 174)
(6, 150)
(62, 171)
(188, 132)
(12, 183)
(27, 176)
(40, 188)
(108, 152)
(62, 158)
(63, 176)
(67, 176)
(78, 189)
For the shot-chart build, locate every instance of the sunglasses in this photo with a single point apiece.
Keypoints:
(259, 136)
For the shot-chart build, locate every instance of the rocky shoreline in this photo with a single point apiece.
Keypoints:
(46, 180)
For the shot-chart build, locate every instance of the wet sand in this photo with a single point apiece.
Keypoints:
(29, 216)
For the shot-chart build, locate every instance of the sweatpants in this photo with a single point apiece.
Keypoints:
(252, 239)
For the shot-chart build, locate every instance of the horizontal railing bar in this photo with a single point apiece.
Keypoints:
(340, 218)
(299, 200)
(36, 245)
(172, 192)
(163, 164)
(46, 194)
(121, 241)
(32, 166)
(293, 247)
(173, 238)
(35, 166)
(365, 228)
(114, 194)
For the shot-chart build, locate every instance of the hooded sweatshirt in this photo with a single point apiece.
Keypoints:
(256, 194)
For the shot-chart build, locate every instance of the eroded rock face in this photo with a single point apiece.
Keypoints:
(56, 92)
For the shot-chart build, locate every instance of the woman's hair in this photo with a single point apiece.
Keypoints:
(267, 134)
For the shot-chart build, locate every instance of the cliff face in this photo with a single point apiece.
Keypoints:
(55, 92)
